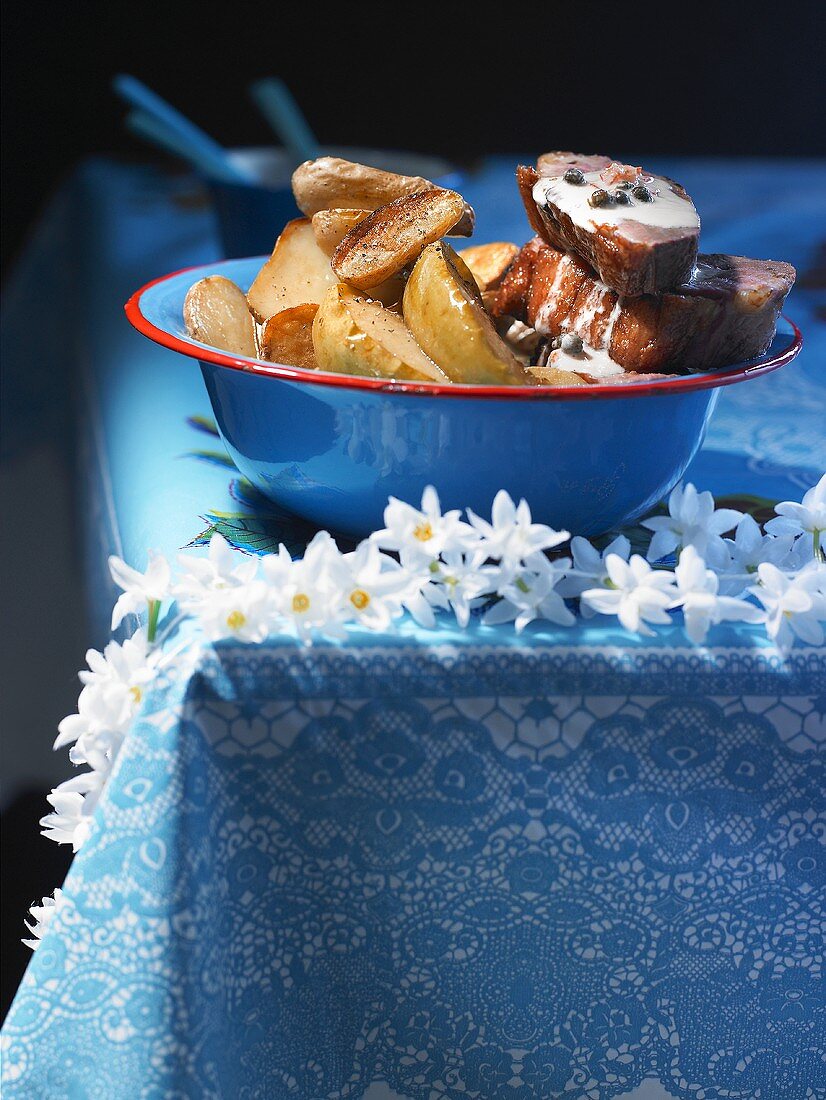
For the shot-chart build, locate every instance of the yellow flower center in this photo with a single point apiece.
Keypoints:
(423, 532)
(359, 599)
(301, 603)
(236, 619)
(136, 693)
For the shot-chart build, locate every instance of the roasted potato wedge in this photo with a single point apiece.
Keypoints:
(390, 292)
(393, 236)
(216, 313)
(489, 263)
(331, 226)
(296, 273)
(287, 337)
(354, 335)
(443, 309)
(330, 183)
(554, 376)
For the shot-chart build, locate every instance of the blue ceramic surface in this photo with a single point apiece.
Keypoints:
(332, 449)
(250, 215)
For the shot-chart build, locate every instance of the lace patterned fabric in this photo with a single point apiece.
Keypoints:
(303, 880)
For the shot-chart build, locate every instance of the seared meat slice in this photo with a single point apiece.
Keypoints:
(725, 313)
(639, 232)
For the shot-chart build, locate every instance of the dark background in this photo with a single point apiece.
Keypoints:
(626, 78)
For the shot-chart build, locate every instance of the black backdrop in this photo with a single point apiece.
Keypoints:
(623, 77)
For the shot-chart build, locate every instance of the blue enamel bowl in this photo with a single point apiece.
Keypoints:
(332, 448)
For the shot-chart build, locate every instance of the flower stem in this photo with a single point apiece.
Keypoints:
(152, 624)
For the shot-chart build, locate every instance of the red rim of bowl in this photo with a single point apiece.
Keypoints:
(680, 384)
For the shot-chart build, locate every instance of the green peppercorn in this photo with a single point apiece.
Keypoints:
(598, 197)
(621, 197)
(574, 175)
(571, 343)
(641, 193)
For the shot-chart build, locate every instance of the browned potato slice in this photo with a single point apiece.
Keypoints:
(553, 376)
(331, 226)
(215, 313)
(443, 309)
(297, 272)
(394, 236)
(330, 183)
(354, 335)
(288, 337)
(489, 263)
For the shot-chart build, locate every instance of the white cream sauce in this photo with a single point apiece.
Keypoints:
(595, 362)
(668, 210)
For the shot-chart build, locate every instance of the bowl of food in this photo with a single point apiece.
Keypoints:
(250, 212)
(367, 356)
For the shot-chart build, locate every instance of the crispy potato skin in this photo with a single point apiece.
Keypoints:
(215, 313)
(332, 226)
(394, 236)
(297, 272)
(353, 335)
(443, 309)
(489, 263)
(330, 183)
(288, 337)
(553, 376)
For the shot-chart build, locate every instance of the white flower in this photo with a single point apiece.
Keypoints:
(121, 663)
(749, 548)
(589, 568)
(41, 916)
(795, 605)
(114, 687)
(419, 536)
(691, 521)
(702, 606)
(306, 598)
(638, 593)
(529, 594)
(372, 587)
(457, 582)
(242, 612)
(807, 518)
(139, 589)
(511, 536)
(74, 803)
(222, 568)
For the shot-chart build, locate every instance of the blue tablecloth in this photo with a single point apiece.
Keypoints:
(450, 864)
